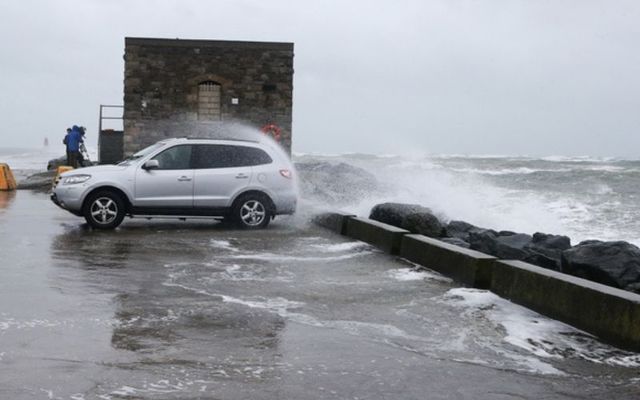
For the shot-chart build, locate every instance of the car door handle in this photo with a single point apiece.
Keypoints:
(242, 176)
(184, 179)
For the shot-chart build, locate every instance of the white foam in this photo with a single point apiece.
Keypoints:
(277, 304)
(606, 168)
(342, 247)
(281, 257)
(12, 323)
(413, 274)
(537, 335)
(508, 171)
(577, 159)
(222, 244)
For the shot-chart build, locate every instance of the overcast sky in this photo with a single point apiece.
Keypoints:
(518, 77)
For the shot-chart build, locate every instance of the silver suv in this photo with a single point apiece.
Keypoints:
(246, 182)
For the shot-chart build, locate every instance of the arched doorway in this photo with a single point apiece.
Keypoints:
(209, 105)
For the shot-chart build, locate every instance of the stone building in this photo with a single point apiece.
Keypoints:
(174, 85)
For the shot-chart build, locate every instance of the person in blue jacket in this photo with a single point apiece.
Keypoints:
(65, 145)
(73, 140)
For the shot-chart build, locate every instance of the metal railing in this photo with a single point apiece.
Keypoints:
(102, 116)
(101, 119)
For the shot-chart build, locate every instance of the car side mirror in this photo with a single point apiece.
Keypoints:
(151, 164)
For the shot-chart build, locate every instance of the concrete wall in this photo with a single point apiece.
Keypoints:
(469, 267)
(386, 237)
(162, 86)
(611, 314)
(335, 221)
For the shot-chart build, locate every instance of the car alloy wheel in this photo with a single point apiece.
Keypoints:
(104, 210)
(252, 213)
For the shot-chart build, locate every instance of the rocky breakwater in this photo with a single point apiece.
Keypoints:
(615, 264)
(40, 181)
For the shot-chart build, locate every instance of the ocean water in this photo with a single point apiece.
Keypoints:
(582, 197)
(26, 161)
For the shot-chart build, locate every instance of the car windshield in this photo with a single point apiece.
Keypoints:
(143, 152)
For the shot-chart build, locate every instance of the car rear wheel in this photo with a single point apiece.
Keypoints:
(252, 212)
(104, 210)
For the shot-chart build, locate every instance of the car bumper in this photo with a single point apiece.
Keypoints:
(68, 198)
(287, 204)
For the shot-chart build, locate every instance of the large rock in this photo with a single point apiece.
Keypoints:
(412, 217)
(335, 184)
(611, 263)
(395, 213)
(423, 223)
(546, 250)
(505, 244)
(540, 249)
(460, 230)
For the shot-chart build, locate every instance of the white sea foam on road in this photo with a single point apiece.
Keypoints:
(281, 257)
(540, 336)
(223, 244)
(342, 247)
(416, 274)
(251, 272)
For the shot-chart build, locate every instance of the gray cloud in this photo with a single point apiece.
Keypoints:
(450, 76)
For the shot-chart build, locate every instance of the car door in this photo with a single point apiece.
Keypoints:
(170, 186)
(220, 173)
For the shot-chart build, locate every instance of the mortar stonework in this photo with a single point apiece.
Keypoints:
(162, 78)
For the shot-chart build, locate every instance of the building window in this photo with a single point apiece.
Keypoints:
(209, 101)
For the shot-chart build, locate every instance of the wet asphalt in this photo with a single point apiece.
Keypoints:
(191, 310)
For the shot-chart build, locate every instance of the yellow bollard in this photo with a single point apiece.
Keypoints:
(60, 170)
(7, 181)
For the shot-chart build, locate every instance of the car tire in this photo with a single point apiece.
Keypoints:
(104, 209)
(252, 211)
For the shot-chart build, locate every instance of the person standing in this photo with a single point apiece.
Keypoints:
(65, 141)
(73, 140)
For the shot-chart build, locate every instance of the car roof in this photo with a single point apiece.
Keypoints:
(204, 140)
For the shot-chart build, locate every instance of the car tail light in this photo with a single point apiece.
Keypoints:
(286, 173)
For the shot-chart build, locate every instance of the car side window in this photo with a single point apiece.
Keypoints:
(212, 156)
(252, 156)
(227, 156)
(177, 157)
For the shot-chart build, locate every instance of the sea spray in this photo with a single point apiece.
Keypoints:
(581, 197)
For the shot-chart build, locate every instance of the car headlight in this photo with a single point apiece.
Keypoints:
(74, 179)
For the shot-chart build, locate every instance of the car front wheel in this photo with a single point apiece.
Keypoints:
(104, 210)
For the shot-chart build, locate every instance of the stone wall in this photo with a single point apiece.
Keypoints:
(164, 81)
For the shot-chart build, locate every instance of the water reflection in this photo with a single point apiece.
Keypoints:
(92, 249)
(6, 198)
(156, 319)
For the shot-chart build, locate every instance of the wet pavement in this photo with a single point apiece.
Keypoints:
(190, 310)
